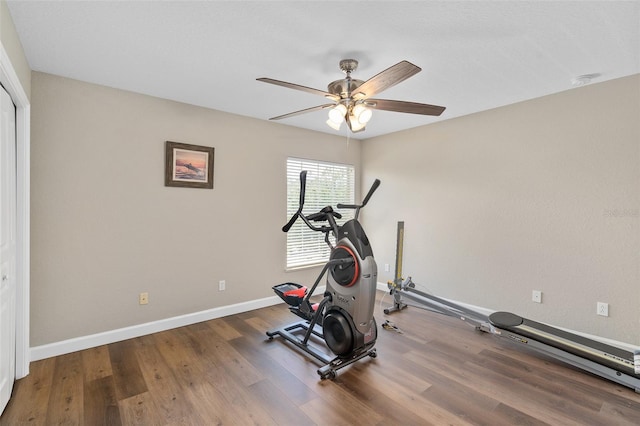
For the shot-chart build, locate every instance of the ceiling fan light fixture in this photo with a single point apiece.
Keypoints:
(334, 126)
(362, 113)
(354, 124)
(337, 113)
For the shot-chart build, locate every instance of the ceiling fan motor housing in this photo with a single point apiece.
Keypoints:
(344, 87)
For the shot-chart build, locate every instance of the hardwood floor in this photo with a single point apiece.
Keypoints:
(438, 371)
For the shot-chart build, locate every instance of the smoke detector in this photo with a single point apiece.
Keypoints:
(585, 79)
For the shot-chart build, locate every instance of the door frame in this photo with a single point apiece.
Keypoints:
(11, 83)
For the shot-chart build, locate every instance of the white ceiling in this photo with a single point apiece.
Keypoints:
(475, 55)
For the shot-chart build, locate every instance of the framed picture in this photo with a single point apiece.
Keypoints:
(187, 165)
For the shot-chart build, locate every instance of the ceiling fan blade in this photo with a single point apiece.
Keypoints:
(387, 78)
(402, 106)
(299, 87)
(302, 111)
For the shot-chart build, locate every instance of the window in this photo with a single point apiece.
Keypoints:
(327, 185)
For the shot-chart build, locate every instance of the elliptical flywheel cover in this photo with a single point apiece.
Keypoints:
(337, 333)
(345, 275)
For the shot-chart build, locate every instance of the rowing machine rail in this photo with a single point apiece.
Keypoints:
(607, 361)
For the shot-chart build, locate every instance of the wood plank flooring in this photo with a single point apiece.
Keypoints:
(438, 371)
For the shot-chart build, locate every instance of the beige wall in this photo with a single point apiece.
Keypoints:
(541, 195)
(13, 47)
(105, 228)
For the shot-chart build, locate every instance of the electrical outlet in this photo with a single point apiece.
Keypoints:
(386, 267)
(143, 299)
(536, 296)
(222, 285)
(602, 309)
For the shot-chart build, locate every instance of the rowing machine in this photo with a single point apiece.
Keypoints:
(610, 362)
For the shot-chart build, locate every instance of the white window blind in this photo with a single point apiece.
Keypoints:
(327, 185)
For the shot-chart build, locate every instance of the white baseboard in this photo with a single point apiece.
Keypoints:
(382, 287)
(104, 338)
(85, 342)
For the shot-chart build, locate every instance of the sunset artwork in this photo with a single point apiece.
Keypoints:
(190, 165)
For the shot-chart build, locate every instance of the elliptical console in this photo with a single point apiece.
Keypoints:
(344, 317)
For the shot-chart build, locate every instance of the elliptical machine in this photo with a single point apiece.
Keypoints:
(343, 319)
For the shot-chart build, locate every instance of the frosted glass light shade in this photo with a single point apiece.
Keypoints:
(334, 126)
(362, 113)
(336, 114)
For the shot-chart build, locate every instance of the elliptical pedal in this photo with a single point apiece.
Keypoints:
(293, 294)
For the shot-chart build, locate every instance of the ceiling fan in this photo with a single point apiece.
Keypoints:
(352, 99)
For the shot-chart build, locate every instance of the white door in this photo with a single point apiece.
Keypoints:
(8, 232)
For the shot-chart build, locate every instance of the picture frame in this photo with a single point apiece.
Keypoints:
(189, 166)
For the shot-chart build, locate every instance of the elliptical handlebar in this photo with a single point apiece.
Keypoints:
(374, 186)
(326, 213)
(303, 185)
(357, 207)
(323, 214)
(290, 223)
